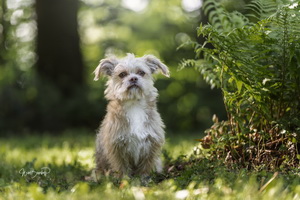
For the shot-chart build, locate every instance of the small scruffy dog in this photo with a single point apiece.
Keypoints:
(131, 135)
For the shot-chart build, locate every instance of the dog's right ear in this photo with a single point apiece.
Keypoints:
(105, 67)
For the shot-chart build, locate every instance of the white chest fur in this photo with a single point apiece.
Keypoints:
(137, 132)
(136, 116)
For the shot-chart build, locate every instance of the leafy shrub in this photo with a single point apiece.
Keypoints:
(255, 61)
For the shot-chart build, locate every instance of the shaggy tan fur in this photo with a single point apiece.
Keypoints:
(131, 135)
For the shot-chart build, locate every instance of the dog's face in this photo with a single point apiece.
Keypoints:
(130, 77)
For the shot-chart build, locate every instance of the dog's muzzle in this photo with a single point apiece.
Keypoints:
(133, 82)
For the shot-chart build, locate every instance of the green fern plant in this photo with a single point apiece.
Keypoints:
(261, 9)
(256, 63)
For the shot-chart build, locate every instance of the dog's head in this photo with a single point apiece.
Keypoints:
(130, 77)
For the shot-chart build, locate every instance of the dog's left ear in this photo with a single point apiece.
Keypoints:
(155, 64)
(105, 67)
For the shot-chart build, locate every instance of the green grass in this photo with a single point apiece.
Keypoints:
(69, 156)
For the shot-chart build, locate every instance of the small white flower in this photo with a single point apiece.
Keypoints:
(138, 193)
(265, 81)
(268, 32)
(203, 190)
(181, 194)
(294, 5)
(283, 131)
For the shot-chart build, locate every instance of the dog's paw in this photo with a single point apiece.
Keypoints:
(146, 180)
(94, 177)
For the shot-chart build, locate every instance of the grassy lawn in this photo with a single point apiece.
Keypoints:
(53, 167)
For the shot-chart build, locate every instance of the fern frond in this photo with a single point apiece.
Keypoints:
(261, 9)
(255, 64)
(221, 19)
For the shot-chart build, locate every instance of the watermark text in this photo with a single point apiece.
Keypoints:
(32, 173)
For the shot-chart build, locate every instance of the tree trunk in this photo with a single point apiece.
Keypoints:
(60, 102)
(3, 31)
(58, 48)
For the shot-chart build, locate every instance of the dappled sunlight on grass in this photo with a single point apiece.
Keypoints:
(69, 158)
(55, 155)
(85, 157)
(46, 150)
(181, 144)
(65, 150)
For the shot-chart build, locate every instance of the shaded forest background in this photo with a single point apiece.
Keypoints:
(49, 49)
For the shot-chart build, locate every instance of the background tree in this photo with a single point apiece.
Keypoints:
(58, 49)
(59, 64)
(3, 23)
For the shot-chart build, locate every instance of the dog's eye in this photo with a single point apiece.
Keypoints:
(141, 73)
(122, 75)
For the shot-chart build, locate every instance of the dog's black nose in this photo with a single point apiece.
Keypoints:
(133, 79)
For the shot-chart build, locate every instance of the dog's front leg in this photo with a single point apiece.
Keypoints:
(150, 160)
(118, 160)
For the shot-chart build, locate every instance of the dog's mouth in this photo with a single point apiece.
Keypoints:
(134, 91)
(133, 86)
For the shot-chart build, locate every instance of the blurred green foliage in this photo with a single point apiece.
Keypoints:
(256, 63)
(106, 27)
